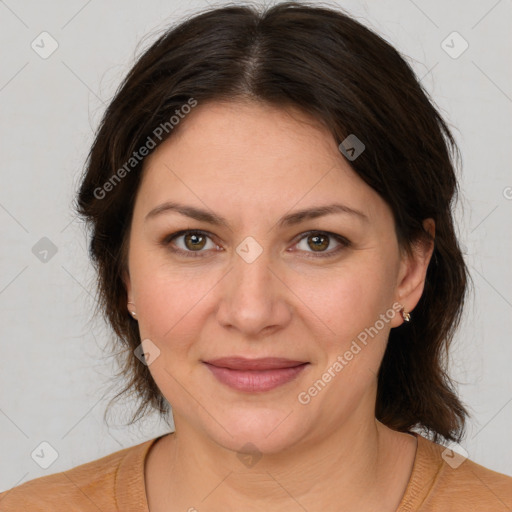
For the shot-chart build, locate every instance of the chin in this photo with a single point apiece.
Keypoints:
(265, 431)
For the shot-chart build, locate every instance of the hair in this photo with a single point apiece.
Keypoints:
(328, 65)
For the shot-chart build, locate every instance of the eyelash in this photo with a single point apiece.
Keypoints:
(344, 243)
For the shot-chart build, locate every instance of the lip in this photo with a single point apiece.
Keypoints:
(253, 375)
(262, 363)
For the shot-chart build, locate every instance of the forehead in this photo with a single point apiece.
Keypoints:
(253, 157)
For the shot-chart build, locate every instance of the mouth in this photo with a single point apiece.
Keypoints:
(255, 375)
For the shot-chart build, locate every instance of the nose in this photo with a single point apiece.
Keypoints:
(254, 299)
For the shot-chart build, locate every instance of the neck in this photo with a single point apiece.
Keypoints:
(354, 466)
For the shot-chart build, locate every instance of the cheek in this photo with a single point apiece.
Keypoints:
(170, 303)
(172, 314)
(353, 304)
(348, 299)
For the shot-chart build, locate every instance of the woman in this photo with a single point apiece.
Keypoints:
(271, 201)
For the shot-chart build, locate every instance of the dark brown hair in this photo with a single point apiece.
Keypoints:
(322, 61)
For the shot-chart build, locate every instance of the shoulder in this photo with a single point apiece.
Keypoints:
(90, 486)
(456, 483)
(474, 485)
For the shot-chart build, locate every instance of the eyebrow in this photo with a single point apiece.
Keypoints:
(290, 219)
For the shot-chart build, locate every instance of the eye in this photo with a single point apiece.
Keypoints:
(189, 242)
(320, 241)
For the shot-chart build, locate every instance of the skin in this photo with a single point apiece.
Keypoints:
(252, 164)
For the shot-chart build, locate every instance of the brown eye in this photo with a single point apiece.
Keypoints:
(194, 241)
(318, 242)
(189, 243)
(314, 243)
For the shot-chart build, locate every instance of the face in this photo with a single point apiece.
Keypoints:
(251, 278)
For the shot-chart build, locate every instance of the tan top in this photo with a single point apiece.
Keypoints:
(116, 483)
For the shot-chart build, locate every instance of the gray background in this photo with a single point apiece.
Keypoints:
(54, 369)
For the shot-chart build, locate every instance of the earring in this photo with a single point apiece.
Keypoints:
(406, 316)
(132, 312)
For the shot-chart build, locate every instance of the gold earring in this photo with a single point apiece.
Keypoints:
(406, 316)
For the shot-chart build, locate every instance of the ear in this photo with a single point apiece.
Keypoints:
(128, 285)
(413, 271)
